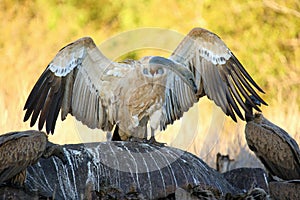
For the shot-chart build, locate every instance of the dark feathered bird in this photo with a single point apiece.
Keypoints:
(18, 150)
(275, 148)
(101, 93)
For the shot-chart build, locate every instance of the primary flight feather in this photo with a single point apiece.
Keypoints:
(101, 93)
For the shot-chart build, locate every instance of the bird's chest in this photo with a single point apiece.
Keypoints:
(145, 99)
(135, 98)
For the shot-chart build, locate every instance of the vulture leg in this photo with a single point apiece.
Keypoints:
(19, 179)
(152, 139)
(145, 135)
(55, 150)
(116, 136)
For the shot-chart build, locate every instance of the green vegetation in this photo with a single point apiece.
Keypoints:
(264, 35)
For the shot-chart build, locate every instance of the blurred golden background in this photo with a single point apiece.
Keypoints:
(264, 36)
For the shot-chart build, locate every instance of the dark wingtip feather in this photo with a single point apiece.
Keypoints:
(242, 83)
(44, 101)
(33, 119)
(46, 108)
(232, 115)
(233, 118)
(42, 94)
(54, 121)
(53, 113)
(253, 102)
(229, 110)
(27, 115)
(246, 74)
(263, 102)
(237, 97)
(257, 108)
(36, 88)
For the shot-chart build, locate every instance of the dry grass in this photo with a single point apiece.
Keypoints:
(31, 34)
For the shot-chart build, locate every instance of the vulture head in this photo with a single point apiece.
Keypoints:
(250, 103)
(161, 65)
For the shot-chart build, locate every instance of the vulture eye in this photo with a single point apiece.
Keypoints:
(145, 71)
(160, 71)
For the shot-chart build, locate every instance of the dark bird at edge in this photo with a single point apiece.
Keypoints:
(274, 147)
(18, 150)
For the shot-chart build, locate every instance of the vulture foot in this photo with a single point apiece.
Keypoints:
(135, 139)
(152, 140)
(55, 150)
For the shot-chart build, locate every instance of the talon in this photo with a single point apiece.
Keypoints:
(144, 140)
(135, 139)
(152, 140)
(55, 150)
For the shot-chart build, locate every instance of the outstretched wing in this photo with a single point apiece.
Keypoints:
(218, 75)
(71, 83)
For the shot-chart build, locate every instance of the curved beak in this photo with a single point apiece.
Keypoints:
(185, 74)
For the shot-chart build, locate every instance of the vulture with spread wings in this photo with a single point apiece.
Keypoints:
(101, 93)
